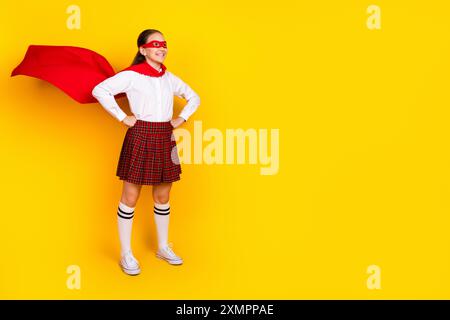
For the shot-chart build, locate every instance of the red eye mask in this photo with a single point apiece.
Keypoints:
(155, 44)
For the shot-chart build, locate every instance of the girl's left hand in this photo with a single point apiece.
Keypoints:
(176, 122)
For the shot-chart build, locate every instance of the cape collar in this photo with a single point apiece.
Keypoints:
(146, 69)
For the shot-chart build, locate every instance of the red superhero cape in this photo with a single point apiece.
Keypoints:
(74, 70)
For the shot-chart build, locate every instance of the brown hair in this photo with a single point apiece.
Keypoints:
(142, 39)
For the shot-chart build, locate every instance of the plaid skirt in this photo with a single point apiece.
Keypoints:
(149, 154)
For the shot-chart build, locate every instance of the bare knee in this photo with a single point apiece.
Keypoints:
(161, 198)
(130, 194)
(130, 198)
(129, 201)
(161, 193)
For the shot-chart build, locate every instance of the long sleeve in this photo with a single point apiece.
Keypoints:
(181, 89)
(104, 92)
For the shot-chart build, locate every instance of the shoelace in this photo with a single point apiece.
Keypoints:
(169, 250)
(130, 260)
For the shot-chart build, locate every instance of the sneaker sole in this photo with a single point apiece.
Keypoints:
(172, 262)
(130, 272)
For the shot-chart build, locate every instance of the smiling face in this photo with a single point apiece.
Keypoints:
(156, 55)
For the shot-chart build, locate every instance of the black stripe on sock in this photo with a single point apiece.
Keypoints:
(124, 217)
(162, 212)
(167, 209)
(161, 209)
(125, 213)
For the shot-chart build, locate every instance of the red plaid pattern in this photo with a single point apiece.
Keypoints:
(149, 155)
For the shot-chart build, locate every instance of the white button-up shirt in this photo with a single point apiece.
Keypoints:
(150, 98)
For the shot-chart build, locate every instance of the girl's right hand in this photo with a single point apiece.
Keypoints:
(129, 121)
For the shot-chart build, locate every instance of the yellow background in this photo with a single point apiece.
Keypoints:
(364, 159)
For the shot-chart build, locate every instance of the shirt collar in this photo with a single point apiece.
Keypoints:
(146, 69)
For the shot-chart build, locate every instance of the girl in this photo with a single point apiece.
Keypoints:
(149, 154)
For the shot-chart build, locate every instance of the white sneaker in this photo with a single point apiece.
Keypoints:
(168, 255)
(129, 264)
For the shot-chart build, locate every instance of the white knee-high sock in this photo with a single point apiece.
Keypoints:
(161, 212)
(125, 216)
